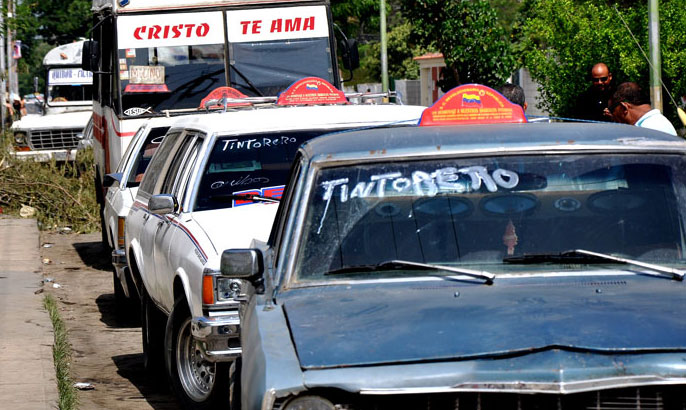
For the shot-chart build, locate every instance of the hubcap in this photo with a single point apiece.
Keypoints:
(196, 374)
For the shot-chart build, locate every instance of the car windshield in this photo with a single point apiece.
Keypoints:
(479, 213)
(255, 164)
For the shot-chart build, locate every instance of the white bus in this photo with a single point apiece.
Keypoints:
(153, 58)
(55, 129)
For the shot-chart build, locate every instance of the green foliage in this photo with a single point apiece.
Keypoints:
(400, 51)
(62, 355)
(560, 40)
(42, 25)
(62, 194)
(468, 33)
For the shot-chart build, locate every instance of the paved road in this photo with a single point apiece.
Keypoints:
(27, 375)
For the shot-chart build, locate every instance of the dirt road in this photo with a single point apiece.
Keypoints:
(107, 348)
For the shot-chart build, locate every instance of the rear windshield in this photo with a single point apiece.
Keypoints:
(474, 212)
(255, 164)
(142, 160)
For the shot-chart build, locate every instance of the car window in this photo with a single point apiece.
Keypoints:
(179, 159)
(157, 164)
(126, 158)
(186, 173)
(248, 164)
(144, 155)
(478, 211)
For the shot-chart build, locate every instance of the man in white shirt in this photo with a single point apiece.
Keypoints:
(630, 105)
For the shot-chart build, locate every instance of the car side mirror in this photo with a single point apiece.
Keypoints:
(90, 56)
(241, 263)
(113, 179)
(350, 54)
(162, 204)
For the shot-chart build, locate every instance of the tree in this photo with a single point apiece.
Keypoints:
(560, 40)
(42, 25)
(468, 33)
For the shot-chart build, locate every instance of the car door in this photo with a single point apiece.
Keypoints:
(142, 224)
(171, 236)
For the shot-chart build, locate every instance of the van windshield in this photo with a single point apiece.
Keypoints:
(476, 212)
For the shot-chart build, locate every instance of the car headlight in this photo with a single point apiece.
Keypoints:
(227, 289)
(20, 138)
(309, 403)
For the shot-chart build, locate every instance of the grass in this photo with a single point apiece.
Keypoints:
(59, 194)
(61, 354)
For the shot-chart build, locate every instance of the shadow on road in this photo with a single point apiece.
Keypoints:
(153, 388)
(94, 255)
(114, 316)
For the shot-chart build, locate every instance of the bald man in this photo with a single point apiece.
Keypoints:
(592, 103)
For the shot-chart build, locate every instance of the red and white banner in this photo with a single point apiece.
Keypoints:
(283, 23)
(168, 30)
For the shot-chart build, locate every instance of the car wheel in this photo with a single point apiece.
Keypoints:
(197, 382)
(152, 330)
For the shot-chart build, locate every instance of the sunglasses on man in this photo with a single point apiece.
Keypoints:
(599, 79)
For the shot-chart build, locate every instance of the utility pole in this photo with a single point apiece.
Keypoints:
(384, 54)
(655, 61)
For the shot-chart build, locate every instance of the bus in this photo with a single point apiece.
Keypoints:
(53, 123)
(152, 58)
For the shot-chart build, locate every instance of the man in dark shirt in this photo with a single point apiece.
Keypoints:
(592, 103)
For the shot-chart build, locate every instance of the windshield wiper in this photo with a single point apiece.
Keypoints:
(400, 265)
(246, 79)
(584, 256)
(243, 197)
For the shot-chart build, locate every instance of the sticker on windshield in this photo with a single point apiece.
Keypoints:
(275, 192)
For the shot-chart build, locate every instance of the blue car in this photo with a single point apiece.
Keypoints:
(498, 266)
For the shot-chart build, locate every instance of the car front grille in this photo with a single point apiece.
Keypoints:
(643, 398)
(66, 138)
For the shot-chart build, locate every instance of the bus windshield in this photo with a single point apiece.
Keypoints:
(177, 63)
(72, 85)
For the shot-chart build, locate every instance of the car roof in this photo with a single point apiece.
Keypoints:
(487, 138)
(280, 118)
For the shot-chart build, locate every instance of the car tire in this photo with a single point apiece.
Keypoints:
(197, 382)
(152, 331)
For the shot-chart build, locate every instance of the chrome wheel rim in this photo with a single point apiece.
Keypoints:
(196, 374)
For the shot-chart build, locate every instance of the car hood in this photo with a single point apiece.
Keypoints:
(62, 120)
(441, 320)
(236, 227)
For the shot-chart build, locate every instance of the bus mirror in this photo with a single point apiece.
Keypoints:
(89, 56)
(350, 54)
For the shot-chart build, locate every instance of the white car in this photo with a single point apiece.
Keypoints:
(122, 186)
(213, 185)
